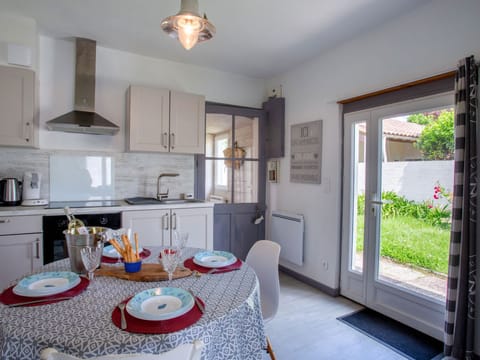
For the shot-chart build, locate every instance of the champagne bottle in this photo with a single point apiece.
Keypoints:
(75, 226)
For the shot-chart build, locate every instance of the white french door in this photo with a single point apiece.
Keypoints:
(377, 144)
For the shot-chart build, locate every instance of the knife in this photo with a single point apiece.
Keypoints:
(39, 301)
(197, 302)
(220, 270)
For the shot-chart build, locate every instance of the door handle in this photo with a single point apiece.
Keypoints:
(378, 202)
(382, 202)
(174, 221)
(172, 140)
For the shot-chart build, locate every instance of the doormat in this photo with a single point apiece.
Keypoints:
(398, 337)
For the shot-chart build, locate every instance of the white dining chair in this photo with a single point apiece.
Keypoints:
(263, 258)
(192, 351)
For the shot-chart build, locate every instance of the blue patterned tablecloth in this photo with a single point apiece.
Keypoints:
(231, 328)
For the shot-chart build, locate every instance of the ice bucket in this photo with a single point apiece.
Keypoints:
(75, 242)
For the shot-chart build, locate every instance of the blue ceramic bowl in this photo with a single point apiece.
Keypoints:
(133, 267)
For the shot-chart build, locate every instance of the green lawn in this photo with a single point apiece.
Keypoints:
(411, 241)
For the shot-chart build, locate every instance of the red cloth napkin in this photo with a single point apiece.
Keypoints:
(109, 260)
(8, 297)
(141, 326)
(192, 266)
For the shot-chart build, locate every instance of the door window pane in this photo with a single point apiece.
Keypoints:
(360, 135)
(218, 182)
(231, 158)
(246, 135)
(416, 187)
(218, 134)
(246, 182)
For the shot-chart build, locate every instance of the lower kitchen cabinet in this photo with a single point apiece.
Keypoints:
(20, 247)
(155, 227)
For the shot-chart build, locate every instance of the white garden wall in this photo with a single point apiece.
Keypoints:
(413, 179)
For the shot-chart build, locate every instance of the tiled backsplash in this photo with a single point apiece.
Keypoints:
(135, 174)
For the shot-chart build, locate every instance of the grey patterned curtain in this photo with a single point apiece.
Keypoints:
(462, 272)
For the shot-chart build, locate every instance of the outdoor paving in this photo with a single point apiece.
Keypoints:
(422, 281)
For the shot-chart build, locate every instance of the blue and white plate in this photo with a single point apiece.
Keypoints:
(160, 303)
(214, 259)
(111, 252)
(46, 283)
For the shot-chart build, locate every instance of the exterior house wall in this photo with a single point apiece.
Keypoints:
(398, 150)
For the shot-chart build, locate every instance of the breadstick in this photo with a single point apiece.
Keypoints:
(137, 256)
(128, 248)
(117, 247)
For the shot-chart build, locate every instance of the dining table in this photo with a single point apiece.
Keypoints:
(231, 326)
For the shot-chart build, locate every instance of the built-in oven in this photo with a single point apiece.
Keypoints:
(54, 243)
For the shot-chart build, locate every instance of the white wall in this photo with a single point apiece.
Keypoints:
(421, 44)
(116, 70)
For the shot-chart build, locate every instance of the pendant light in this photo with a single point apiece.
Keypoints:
(188, 26)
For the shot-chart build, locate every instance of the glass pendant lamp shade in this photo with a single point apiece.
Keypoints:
(188, 26)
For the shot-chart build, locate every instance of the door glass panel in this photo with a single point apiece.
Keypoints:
(246, 182)
(416, 188)
(231, 167)
(218, 134)
(360, 135)
(246, 136)
(218, 180)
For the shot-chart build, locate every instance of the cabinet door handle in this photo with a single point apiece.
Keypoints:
(165, 223)
(26, 131)
(174, 221)
(37, 248)
(165, 140)
(4, 221)
(172, 140)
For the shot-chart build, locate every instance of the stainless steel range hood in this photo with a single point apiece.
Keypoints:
(84, 119)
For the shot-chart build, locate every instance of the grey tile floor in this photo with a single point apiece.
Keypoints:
(306, 328)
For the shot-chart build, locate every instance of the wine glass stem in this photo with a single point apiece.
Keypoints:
(90, 275)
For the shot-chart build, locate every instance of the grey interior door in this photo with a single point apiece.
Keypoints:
(232, 174)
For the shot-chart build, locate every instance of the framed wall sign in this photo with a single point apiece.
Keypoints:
(306, 152)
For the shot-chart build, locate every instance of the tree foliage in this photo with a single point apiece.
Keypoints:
(437, 139)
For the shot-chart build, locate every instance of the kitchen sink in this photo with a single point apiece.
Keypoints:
(139, 200)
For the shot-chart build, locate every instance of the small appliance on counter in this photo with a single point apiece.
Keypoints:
(31, 189)
(10, 192)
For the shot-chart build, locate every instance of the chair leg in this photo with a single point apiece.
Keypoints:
(270, 350)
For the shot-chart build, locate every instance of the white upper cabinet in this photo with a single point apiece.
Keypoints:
(187, 123)
(17, 89)
(160, 120)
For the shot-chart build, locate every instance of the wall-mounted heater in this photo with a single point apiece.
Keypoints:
(287, 229)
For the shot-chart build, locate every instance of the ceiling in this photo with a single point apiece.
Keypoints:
(254, 38)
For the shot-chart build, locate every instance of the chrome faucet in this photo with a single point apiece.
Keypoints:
(160, 195)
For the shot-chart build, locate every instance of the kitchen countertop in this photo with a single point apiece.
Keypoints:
(123, 206)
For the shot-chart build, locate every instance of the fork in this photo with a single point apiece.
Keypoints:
(123, 319)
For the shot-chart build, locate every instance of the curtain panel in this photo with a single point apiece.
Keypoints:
(460, 313)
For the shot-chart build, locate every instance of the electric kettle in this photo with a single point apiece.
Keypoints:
(10, 192)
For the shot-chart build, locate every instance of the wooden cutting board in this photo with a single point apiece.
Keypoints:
(148, 272)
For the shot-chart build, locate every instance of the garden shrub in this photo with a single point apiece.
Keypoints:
(397, 205)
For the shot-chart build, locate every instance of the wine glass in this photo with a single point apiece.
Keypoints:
(180, 241)
(91, 256)
(170, 259)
